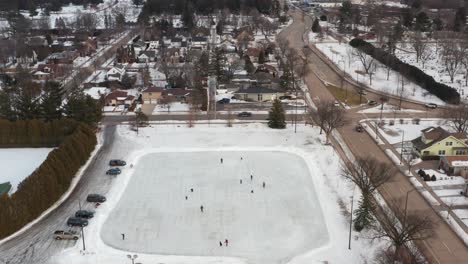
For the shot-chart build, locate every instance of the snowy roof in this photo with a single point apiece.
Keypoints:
(96, 92)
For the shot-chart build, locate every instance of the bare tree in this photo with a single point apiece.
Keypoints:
(368, 174)
(230, 117)
(419, 44)
(457, 116)
(366, 60)
(402, 228)
(401, 89)
(452, 56)
(329, 117)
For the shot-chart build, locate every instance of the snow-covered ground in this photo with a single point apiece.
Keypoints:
(434, 65)
(175, 107)
(19, 163)
(343, 57)
(300, 217)
(108, 7)
(394, 133)
(388, 108)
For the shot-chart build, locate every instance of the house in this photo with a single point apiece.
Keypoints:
(119, 98)
(147, 56)
(116, 73)
(41, 76)
(152, 94)
(199, 42)
(436, 141)
(267, 69)
(65, 57)
(454, 165)
(176, 94)
(257, 94)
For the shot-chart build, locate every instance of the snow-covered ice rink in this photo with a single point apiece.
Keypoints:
(301, 217)
(270, 225)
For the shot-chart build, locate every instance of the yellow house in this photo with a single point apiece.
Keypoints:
(151, 95)
(436, 141)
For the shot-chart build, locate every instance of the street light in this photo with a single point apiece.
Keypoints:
(135, 256)
(406, 204)
(401, 152)
(343, 79)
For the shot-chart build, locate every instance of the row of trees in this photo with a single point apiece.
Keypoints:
(49, 5)
(410, 72)
(27, 100)
(52, 179)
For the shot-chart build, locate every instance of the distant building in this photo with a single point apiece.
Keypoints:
(257, 94)
(436, 141)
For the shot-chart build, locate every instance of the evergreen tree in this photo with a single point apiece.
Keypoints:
(51, 101)
(363, 215)
(316, 26)
(127, 81)
(423, 23)
(83, 108)
(218, 62)
(248, 65)
(188, 15)
(261, 57)
(26, 104)
(6, 102)
(460, 19)
(276, 116)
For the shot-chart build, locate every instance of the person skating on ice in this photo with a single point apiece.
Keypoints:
(201, 208)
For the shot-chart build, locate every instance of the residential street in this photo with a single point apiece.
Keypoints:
(444, 246)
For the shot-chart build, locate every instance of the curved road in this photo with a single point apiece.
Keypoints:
(445, 246)
(36, 244)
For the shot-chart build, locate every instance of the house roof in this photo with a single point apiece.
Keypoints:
(457, 161)
(119, 95)
(153, 89)
(257, 90)
(436, 134)
(199, 39)
(176, 92)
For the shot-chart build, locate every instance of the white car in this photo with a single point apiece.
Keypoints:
(430, 105)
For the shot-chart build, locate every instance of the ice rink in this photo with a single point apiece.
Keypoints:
(270, 225)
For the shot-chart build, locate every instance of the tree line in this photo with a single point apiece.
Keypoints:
(75, 141)
(444, 92)
(50, 5)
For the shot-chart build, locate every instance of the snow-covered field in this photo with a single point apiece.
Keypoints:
(175, 107)
(299, 217)
(434, 65)
(394, 133)
(387, 108)
(19, 163)
(343, 57)
(108, 7)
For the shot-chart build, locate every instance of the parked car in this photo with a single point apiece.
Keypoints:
(431, 105)
(60, 234)
(117, 162)
(84, 214)
(286, 97)
(95, 198)
(244, 114)
(113, 171)
(224, 101)
(372, 102)
(359, 128)
(336, 103)
(77, 221)
(362, 92)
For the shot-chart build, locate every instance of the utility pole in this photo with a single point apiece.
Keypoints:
(82, 230)
(351, 222)
(401, 152)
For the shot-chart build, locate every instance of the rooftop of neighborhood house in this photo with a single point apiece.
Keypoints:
(435, 134)
(457, 161)
(119, 95)
(257, 90)
(153, 89)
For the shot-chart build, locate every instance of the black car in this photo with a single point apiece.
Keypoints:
(84, 214)
(371, 102)
(117, 162)
(224, 101)
(76, 221)
(95, 198)
(244, 114)
(113, 171)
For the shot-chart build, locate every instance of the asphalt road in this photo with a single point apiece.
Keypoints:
(36, 244)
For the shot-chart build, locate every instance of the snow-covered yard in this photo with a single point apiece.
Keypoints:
(387, 108)
(394, 133)
(175, 107)
(299, 217)
(343, 56)
(19, 163)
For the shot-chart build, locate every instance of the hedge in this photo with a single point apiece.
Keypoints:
(444, 92)
(74, 143)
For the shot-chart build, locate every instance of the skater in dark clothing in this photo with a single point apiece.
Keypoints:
(131, 165)
(123, 236)
(240, 181)
(251, 177)
(221, 160)
(186, 197)
(201, 208)
(220, 243)
(251, 191)
(264, 185)
(226, 242)
(191, 189)
(241, 158)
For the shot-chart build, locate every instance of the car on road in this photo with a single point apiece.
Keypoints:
(113, 171)
(84, 214)
(362, 92)
(431, 105)
(77, 221)
(372, 102)
(359, 128)
(67, 235)
(244, 114)
(286, 97)
(224, 101)
(117, 162)
(336, 103)
(95, 198)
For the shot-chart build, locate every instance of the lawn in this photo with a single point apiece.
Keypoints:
(340, 94)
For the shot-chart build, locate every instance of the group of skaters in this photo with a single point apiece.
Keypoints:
(251, 177)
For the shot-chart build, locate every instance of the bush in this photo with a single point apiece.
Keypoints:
(416, 121)
(412, 73)
(427, 177)
(391, 122)
(402, 121)
(74, 143)
(433, 178)
(421, 173)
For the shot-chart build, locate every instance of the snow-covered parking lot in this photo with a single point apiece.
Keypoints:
(301, 216)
